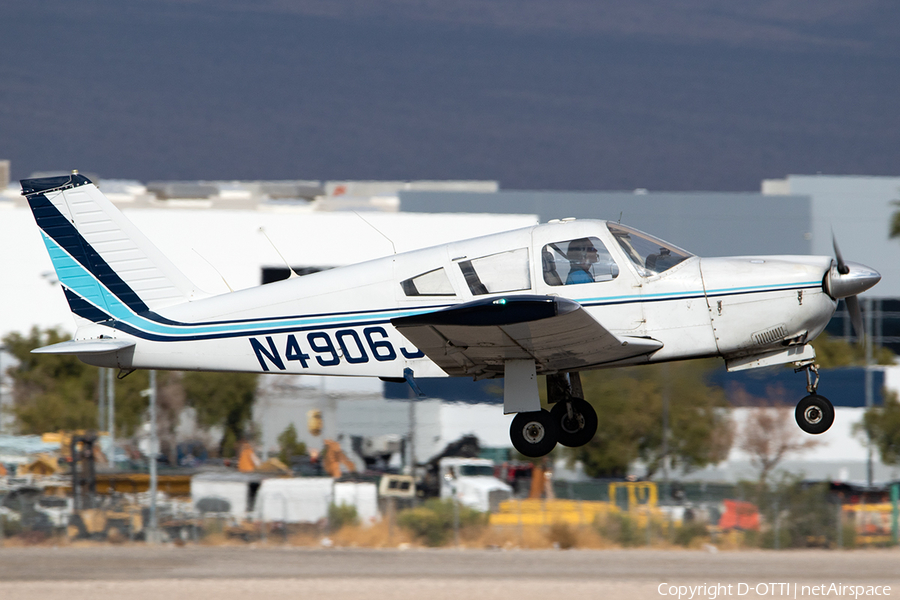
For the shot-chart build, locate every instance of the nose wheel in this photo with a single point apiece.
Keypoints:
(814, 413)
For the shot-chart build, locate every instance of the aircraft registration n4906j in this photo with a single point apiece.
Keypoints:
(552, 299)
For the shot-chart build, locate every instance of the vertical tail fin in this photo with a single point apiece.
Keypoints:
(102, 260)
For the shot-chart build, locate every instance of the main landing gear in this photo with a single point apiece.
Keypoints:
(814, 413)
(571, 422)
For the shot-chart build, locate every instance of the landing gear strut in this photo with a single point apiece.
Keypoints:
(572, 422)
(814, 413)
(577, 419)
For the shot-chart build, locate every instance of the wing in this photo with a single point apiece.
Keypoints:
(476, 338)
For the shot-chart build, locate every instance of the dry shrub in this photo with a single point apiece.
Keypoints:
(432, 523)
(304, 538)
(217, 538)
(378, 535)
(562, 536)
(539, 537)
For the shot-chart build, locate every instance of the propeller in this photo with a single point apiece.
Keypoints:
(846, 280)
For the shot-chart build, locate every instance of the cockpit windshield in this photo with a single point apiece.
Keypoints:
(650, 255)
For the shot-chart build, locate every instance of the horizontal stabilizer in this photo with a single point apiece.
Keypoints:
(85, 347)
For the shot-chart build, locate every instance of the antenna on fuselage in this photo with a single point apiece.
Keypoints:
(619, 222)
(225, 281)
(291, 271)
(378, 230)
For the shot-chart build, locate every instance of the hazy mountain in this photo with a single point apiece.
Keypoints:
(568, 94)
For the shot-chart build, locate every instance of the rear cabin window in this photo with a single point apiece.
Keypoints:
(582, 260)
(497, 273)
(432, 283)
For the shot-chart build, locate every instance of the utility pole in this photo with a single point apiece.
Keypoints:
(412, 433)
(2, 375)
(151, 535)
(868, 381)
(101, 400)
(666, 390)
(111, 414)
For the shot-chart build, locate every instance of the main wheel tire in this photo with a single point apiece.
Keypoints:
(814, 414)
(576, 431)
(534, 434)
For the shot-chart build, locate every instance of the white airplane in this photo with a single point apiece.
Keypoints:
(552, 299)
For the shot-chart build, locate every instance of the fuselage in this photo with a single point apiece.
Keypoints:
(338, 322)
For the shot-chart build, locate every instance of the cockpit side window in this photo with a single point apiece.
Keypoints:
(432, 283)
(582, 260)
(497, 273)
(650, 255)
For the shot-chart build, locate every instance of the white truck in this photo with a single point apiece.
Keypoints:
(473, 483)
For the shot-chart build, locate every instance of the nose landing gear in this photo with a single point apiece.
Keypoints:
(814, 413)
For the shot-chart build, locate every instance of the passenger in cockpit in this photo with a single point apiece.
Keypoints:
(582, 255)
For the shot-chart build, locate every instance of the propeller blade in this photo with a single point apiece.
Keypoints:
(847, 288)
(842, 267)
(856, 317)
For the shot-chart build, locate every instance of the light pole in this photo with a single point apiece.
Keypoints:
(666, 389)
(151, 536)
(868, 380)
(101, 399)
(111, 414)
(450, 477)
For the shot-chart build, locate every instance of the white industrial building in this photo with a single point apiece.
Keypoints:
(224, 235)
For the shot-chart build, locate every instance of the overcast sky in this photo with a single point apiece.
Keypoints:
(568, 94)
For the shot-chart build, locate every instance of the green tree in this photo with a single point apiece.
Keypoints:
(222, 399)
(769, 435)
(832, 353)
(882, 425)
(630, 405)
(289, 445)
(895, 221)
(54, 392)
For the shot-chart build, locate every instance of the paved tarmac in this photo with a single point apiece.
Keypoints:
(226, 573)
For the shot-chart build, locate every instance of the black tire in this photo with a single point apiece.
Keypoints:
(814, 414)
(578, 431)
(534, 434)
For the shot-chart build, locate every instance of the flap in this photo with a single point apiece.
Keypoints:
(476, 338)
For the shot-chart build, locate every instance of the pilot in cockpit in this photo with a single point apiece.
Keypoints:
(582, 255)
